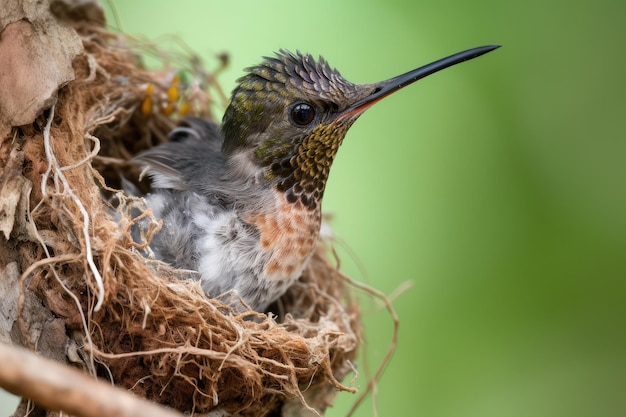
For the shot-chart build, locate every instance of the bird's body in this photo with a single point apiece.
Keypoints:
(241, 203)
(244, 240)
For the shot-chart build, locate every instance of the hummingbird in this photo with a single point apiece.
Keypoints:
(241, 202)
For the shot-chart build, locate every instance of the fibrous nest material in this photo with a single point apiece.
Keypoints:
(125, 317)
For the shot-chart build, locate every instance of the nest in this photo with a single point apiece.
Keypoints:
(132, 319)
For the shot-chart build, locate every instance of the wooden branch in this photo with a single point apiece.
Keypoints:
(57, 387)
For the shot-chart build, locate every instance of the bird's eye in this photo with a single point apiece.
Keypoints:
(302, 114)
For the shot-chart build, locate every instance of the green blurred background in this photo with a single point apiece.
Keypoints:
(495, 187)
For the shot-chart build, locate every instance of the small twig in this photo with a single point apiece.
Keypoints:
(404, 287)
(94, 152)
(58, 387)
(186, 349)
(378, 296)
(109, 160)
(54, 163)
(373, 382)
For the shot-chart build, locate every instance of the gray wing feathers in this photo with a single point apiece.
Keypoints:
(176, 165)
(162, 168)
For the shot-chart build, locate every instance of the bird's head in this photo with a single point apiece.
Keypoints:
(289, 115)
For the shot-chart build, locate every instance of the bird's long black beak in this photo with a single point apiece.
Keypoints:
(385, 88)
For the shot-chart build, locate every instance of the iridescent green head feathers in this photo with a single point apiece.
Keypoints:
(285, 113)
(292, 90)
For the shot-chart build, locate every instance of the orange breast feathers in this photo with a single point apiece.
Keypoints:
(290, 234)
